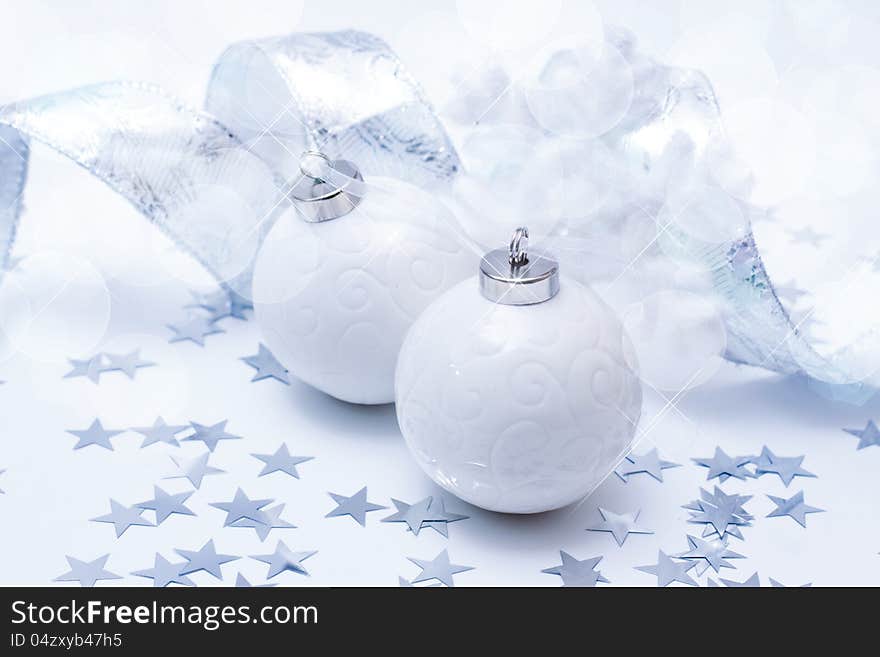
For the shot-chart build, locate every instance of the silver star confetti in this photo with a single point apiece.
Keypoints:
(164, 573)
(437, 509)
(87, 572)
(90, 368)
(241, 582)
(620, 525)
(722, 513)
(195, 469)
(752, 582)
(355, 506)
(240, 507)
(222, 304)
(94, 435)
(123, 517)
(281, 461)
(868, 436)
(126, 363)
(284, 559)
(211, 435)
(577, 573)
(712, 553)
(649, 463)
(414, 515)
(793, 507)
(723, 466)
(205, 559)
(194, 329)
(267, 366)
(780, 585)
(269, 519)
(160, 432)
(787, 467)
(164, 504)
(438, 568)
(2, 492)
(667, 571)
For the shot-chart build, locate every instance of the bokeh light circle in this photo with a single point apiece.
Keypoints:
(54, 306)
(579, 88)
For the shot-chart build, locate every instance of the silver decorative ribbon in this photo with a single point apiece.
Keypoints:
(347, 94)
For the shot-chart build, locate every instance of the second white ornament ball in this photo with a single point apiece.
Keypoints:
(334, 298)
(517, 408)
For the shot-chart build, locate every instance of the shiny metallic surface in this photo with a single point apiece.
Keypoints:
(517, 277)
(343, 93)
(519, 244)
(346, 92)
(318, 199)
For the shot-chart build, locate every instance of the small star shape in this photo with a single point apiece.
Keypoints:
(794, 507)
(240, 507)
(164, 504)
(720, 512)
(211, 435)
(438, 568)
(195, 469)
(194, 329)
(414, 515)
(620, 525)
(281, 461)
(94, 435)
(160, 432)
(787, 467)
(123, 517)
(649, 463)
(668, 571)
(241, 582)
(355, 506)
(267, 366)
(127, 363)
(752, 582)
(779, 585)
(437, 509)
(723, 466)
(205, 559)
(164, 573)
(868, 436)
(714, 552)
(87, 572)
(268, 520)
(90, 368)
(2, 492)
(222, 304)
(284, 559)
(574, 572)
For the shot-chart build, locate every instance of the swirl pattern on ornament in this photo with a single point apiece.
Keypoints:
(518, 409)
(335, 299)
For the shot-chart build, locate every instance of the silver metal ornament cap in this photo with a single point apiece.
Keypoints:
(519, 276)
(326, 189)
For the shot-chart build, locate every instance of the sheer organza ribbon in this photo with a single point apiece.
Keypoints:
(345, 93)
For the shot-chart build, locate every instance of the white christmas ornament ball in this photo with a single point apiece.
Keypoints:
(335, 298)
(518, 408)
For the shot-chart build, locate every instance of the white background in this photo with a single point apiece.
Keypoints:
(52, 491)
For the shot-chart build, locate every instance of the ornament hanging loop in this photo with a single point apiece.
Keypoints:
(519, 245)
(513, 277)
(315, 165)
(326, 189)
